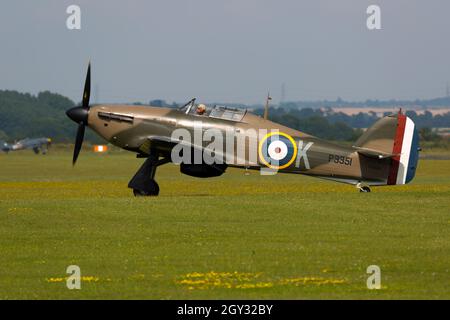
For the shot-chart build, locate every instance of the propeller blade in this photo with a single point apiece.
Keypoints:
(87, 88)
(80, 115)
(78, 142)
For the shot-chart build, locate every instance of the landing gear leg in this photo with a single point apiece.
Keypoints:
(363, 188)
(143, 183)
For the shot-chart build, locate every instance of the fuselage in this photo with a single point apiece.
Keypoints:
(130, 127)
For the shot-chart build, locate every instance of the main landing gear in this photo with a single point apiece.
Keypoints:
(143, 183)
(363, 188)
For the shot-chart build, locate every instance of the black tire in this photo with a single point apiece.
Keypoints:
(364, 189)
(151, 191)
(139, 193)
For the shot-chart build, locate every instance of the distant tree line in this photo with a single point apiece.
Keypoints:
(313, 122)
(159, 103)
(340, 126)
(24, 115)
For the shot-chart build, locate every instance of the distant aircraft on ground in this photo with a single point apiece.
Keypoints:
(36, 144)
(386, 154)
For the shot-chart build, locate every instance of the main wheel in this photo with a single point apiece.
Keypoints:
(151, 190)
(364, 189)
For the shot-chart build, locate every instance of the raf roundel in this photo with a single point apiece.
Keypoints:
(277, 150)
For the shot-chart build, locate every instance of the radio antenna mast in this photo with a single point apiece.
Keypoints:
(266, 109)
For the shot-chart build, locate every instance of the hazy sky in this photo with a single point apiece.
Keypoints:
(227, 50)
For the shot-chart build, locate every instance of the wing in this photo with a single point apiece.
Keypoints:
(160, 143)
(164, 146)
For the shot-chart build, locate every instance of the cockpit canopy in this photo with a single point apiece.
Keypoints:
(216, 111)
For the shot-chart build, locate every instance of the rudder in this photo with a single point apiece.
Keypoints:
(406, 151)
(393, 137)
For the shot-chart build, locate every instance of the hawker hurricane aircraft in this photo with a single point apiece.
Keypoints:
(36, 144)
(386, 154)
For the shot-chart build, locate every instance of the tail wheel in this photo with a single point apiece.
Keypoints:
(364, 189)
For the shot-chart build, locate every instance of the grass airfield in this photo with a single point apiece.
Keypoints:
(235, 236)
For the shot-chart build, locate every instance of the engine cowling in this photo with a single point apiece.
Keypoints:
(203, 170)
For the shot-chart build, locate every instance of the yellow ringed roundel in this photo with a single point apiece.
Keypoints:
(277, 150)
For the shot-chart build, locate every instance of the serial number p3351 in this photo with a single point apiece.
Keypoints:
(346, 161)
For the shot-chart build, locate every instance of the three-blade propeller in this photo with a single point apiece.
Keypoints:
(80, 115)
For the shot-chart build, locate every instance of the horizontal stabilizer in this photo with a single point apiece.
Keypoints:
(374, 153)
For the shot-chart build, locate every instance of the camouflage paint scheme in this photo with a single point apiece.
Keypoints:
(141, 128)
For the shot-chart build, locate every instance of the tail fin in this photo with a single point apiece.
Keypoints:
(394, 137)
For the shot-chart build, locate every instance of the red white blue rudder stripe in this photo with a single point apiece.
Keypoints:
(405, 150)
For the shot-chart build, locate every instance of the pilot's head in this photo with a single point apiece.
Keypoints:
(201, 108)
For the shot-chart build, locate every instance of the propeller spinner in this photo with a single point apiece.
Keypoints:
(80, 114)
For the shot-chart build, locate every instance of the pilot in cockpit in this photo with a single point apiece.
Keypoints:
(201, 109)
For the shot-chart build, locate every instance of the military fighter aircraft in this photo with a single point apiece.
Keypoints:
(386, 154)
(36, 144)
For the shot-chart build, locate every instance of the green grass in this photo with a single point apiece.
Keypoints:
(236, 236)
